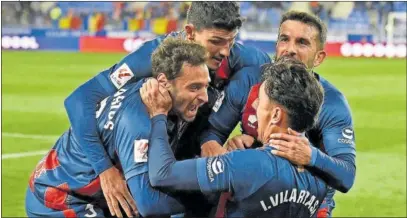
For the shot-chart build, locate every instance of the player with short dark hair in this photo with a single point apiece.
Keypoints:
(64, 183)
(214, 25)
(263, 185)
(333, 152)
(310, 20)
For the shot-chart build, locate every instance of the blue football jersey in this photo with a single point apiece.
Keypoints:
(65, 177)
(333, 133)
(136, 65)
(263, 185)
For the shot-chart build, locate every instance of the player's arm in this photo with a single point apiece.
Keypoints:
(227, 111)
(82, 103)
(223, 173)
(337, 166)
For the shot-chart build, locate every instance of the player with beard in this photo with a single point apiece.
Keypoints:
(214, 25)
(301, 36)
(262, 184)
(64, 183)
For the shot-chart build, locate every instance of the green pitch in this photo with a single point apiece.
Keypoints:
(35, 84)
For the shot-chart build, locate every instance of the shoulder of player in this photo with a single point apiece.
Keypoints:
(245, 55)
(250, 75)
(251, 159)
(335, 107)
(134, 112)
(333, 97)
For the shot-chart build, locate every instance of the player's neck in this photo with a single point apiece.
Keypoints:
(276, 129)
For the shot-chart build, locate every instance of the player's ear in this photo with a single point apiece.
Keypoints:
(190, 31)
(162, 79)
(320, 57)
(276, 116)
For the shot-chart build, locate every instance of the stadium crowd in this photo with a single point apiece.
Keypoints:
(165, 17)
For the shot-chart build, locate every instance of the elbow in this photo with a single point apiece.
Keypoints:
(348, 183)
(157, 180)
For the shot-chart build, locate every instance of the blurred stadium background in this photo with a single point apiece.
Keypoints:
(50, 48)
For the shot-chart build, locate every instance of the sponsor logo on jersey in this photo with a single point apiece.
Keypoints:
(348, 136)
(121, 76)
(140, 150)
(214, 166)
(217, 166)
(347, 133)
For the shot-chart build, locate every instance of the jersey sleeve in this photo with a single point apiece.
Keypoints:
(337, 166)
(151, 201)
(223, 173)
(337, 127)
(81, 104)
(230, 172)
(227, 111)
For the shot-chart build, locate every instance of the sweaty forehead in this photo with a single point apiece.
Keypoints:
(298, 29)
(192, 74)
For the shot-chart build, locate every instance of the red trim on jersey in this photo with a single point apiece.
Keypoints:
(55, 197)
(31, 181)
(69, 213)
(249, 111)
(322, 213)
(221, 208)
(90, 188)
(51, 162)
(223, 71)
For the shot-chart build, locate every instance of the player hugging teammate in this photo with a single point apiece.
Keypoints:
(204, 84)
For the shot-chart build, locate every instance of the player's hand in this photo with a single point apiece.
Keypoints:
(212, 149)
(292, 146)
(116, 192)
(239, 142)
(156, 98)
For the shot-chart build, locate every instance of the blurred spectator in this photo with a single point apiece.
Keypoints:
(342, 10)
(301, 6)
(162, 17)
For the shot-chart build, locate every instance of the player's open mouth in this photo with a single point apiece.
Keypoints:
(218, 60)
(193, 108)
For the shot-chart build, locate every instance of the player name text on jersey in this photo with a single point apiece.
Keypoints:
(116, 103)
(302, 198)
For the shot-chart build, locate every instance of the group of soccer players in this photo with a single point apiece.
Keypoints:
(146, 135)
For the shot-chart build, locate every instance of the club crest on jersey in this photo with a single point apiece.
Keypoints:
(140, 150)
(121, 76)
(249, 117)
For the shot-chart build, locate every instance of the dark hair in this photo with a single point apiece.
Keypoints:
(288, 83)
(170, 56)
(308, 19)
(222, 15)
